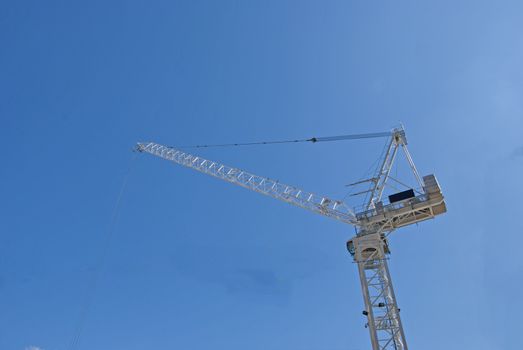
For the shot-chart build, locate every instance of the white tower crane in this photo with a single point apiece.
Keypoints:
(374, 222)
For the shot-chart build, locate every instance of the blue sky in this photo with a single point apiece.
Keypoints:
(195, 263)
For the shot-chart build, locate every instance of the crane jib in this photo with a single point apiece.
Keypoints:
(322, 205)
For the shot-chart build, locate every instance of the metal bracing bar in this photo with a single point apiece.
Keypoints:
(361, 182)
(378, 177)
(361, 192)
(412, 166)
(386, 175)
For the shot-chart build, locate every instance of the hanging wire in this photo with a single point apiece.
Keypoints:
(312, 139)
(100, 264)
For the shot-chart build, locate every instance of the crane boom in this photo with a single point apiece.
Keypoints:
(319, 204)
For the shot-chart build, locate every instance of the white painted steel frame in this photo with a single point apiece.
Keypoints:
(384, 321)
(381, 309)
(319, 204)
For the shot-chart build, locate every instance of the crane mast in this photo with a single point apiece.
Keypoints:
(373, 223)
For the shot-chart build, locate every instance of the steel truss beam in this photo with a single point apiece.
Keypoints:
(319, 204)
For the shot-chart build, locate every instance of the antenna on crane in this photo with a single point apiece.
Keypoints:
(373, 222)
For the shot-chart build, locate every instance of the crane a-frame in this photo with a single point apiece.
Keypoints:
(373, 223)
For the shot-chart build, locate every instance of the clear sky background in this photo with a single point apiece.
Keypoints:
(195, 263)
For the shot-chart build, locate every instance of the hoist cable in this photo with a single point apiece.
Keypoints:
(100, 265)
(312, 139)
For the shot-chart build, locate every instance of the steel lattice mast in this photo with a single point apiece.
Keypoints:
(373, 223)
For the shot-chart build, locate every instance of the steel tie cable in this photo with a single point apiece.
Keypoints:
(312, 140)
(93, 283)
